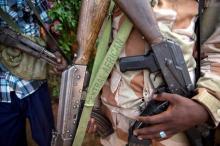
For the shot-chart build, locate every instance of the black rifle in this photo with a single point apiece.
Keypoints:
(165, 57)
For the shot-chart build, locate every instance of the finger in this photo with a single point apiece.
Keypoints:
(151, 130)
(156, 119)
(62, 65)
(94, 128)
(172, 98)
(57, 71)
(92, 121)
(58, 57)
(89, 127)
(52, 72)
(157, 136)
(59, 60)
(60, 68)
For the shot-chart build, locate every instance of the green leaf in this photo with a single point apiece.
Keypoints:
(64, 11)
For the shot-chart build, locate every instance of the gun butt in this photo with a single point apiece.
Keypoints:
(92, 15)
(141, 14)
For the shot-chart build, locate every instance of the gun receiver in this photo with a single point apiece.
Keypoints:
(69, 105)
(71, 102)
(166, 57)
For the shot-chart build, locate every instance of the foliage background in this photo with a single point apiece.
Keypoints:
(64, 15)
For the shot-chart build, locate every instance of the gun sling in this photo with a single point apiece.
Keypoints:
(100, 78)
(104, 126)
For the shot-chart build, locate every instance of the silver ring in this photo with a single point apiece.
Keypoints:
(163, 134)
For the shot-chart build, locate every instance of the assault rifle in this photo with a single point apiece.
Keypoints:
(14, 39)
(165, 56)
(73, 83)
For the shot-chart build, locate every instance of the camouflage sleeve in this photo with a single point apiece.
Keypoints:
(209, 82)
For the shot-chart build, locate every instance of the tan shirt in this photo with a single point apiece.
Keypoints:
(125, 92)
(129, 89)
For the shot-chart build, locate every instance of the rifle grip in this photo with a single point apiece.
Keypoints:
(139, 62)
(131, 63)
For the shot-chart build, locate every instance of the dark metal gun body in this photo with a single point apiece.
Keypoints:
(10, 38)
(153, 108)
(167, 58)
(72, 90)
(168, 55)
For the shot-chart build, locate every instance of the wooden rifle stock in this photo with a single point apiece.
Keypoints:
(141, 14)
(92, 16)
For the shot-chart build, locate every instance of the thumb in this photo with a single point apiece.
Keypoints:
(58, 57)
(58, 60)
(172, 98)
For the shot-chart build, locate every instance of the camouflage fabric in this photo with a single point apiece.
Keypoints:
(209, 83)
(124, 93)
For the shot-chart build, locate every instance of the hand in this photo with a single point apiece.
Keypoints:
(62, 64)
(182, 114)
(91, 128)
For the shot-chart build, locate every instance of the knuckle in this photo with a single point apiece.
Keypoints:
(151, 131)
(147, 120)
(140, 131)
(162, 94)
(169, 116)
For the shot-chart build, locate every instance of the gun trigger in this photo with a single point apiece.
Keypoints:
(160, 89)
(156, 75)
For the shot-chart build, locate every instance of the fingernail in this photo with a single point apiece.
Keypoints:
(140, 138)
(58, 60)
(135, 133)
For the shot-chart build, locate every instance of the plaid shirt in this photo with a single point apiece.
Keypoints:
(9, 82)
